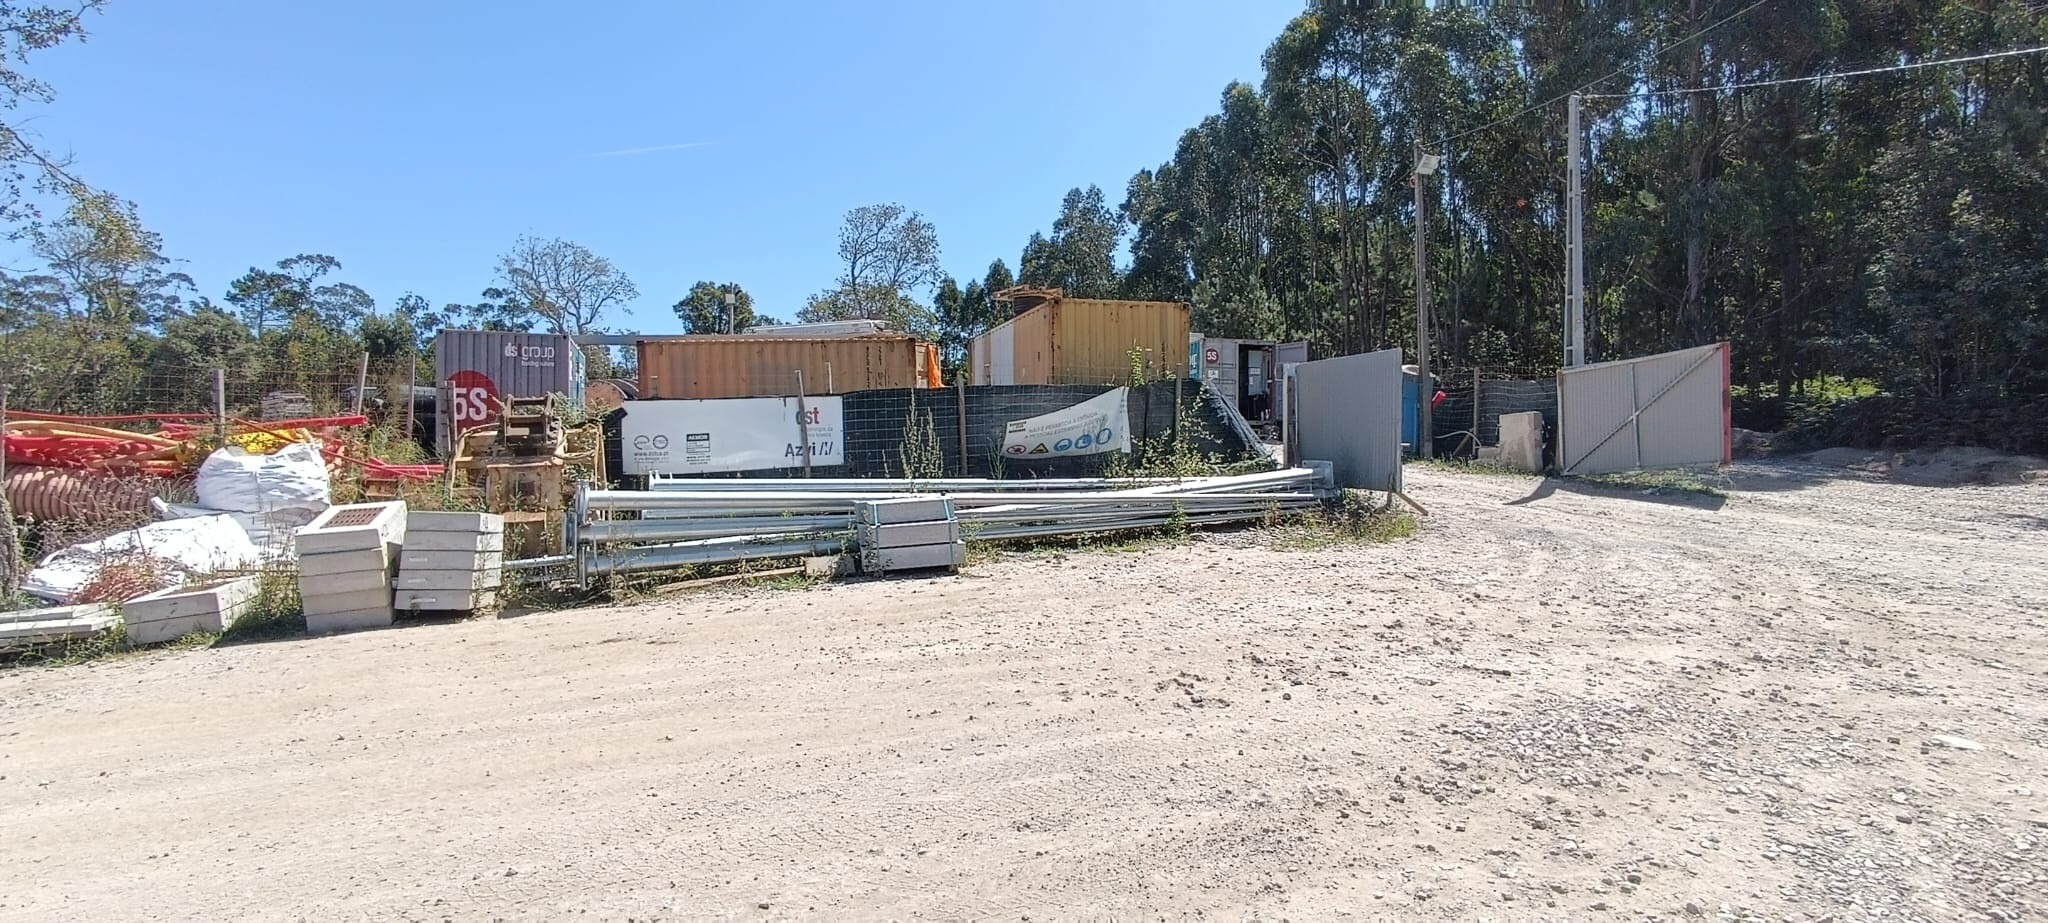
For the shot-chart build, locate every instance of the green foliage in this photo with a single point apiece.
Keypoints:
(920, 453)
(1080, 256)
(558, 285)
(704, 310)
(890, 255)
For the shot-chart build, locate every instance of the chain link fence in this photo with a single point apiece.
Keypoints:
(1475, 399)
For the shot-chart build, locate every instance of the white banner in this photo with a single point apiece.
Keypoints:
(1098, 424)
(732, 434)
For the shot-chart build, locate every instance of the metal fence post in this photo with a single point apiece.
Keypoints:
(803, 422)
(10, 548)
(220, 408)
(960, 390)
(1475, 410)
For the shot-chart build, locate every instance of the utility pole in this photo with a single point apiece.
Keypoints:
(731, 312)
(1425, 164)
(1575, 241)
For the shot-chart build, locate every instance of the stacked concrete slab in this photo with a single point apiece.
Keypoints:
(32, 627)
(452, 562)
(167, 615)
(348, 559)
(911, 533)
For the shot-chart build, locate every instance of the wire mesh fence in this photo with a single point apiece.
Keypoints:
(1475, 398)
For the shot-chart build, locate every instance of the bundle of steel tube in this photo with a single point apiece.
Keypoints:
(687, 521)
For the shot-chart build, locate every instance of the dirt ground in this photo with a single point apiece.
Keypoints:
(1824, 694)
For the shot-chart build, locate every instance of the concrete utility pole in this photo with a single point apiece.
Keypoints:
(1575, 241)
(731, 312)
(1425, 164)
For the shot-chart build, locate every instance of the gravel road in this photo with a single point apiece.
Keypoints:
(1825, 694)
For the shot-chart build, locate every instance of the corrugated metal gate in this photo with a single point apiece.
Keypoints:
(1347, 411)
(1664, 411)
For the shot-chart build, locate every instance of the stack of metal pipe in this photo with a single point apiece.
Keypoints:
(678, 522)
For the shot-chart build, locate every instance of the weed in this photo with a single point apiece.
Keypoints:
(921, 457)
(1469, 466)
(1673, 481)
(276, 611)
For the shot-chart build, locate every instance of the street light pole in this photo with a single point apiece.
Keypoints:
(1575, 241)
(731, 312)
(1425, 164)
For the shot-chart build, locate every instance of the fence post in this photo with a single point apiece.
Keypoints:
(803, 422)
(960, 390)
(362, 379)
(220, 408)
(412, 383)
(1475, 411)
(10, 548)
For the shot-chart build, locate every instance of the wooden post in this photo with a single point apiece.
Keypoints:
(362, 380)
(960, 390)
(803, 422)
(220, 408)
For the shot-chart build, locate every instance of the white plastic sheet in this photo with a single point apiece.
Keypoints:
(181, 548)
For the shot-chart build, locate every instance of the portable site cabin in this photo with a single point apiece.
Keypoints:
(1247, 373)
(1056, 340)
(779, 366)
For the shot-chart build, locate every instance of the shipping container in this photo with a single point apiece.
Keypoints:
(476, 371)
(1245, 372)
(701, 367)
(1082, 341)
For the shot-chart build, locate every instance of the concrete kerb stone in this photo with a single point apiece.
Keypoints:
(173, 613)
(441, 521)
(347, 600)
(445, 600)
(354, 527)
(456, 541)
(346, 562)
(415, 559)
(320, 623)
(449, 580)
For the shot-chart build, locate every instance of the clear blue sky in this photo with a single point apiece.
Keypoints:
(414, 141)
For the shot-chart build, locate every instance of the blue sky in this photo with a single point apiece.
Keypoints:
(415, 141)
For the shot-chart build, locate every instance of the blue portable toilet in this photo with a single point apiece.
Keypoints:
(1412, 396)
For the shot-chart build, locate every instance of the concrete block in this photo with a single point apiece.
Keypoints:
(445, 600)
(438, 521)
(415, 559)
(1521, 441)
(838, 565)
(456, 541)
(354, 527)
(328, 622)
(906, 509)
(880, 561)
(345, 562)
(908, 534)
(59, 623)
(162, 630)
(447, 580)
(353, 581)
(204, 608)
(347, 601)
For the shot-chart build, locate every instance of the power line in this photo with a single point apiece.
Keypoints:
(1440, 142)
(1819, 77)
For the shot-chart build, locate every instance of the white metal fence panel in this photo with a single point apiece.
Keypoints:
(1669, 410)
(1347, 411)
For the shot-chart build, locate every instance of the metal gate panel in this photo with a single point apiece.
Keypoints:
(1347, 411)
(1664, 411)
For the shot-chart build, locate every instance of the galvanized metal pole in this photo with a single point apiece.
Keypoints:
(803, 421)
(220, 408)
(1424, 431)
(960, 390)
(1575, 240)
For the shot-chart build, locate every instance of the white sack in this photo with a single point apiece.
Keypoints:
(182, 548)
(292, 478)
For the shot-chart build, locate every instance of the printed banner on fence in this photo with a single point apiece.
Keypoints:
(1098, 424)
(732, 434)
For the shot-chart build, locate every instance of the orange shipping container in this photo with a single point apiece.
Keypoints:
(1083, 341)
(701, 367)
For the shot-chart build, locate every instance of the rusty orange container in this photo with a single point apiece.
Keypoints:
(701, 367)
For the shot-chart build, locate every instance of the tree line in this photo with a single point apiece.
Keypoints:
(1885, 227)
